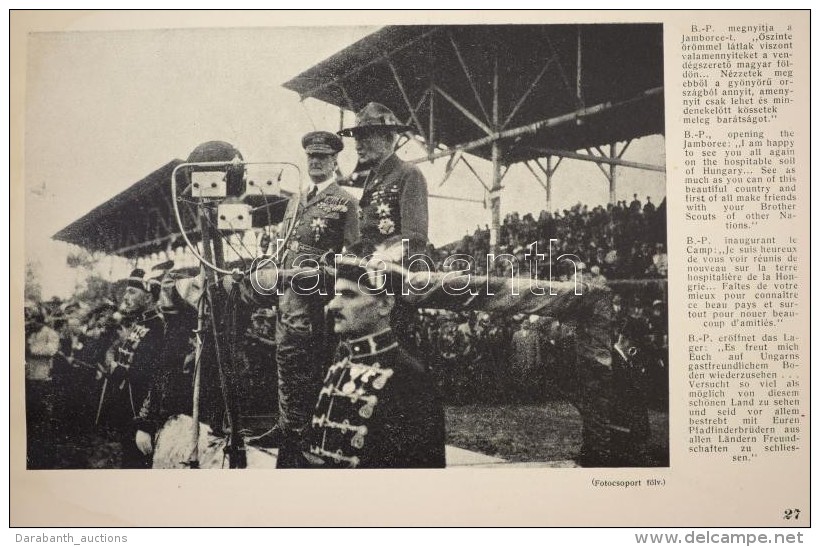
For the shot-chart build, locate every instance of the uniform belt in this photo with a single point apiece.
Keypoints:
(302, 248)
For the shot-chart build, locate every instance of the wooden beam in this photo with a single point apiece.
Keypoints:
(527, 93)
(461, 108)
(560, 66)
(346, 95)
(623, 150)
(549, 122)
(579, 96)
(495, 197)
(504, 170)
(431, 142)
(613, 175)
(418, 106)
(454, 198)
(405, 96)
(470, 79)
(451, 165)
(475, 174)
(312, 91)
(598, 163)
(600, 160)
(534, 174)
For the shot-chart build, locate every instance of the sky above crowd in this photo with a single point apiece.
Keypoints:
(105, 109)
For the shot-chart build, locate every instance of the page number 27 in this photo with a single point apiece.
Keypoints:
(791, 514)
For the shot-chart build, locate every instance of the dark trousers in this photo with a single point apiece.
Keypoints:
(132, 458)
(301, 357)
(290, 453)
(594, 404)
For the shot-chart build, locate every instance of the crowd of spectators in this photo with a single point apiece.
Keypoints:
(620, 241)
(70, 346)
(477, 357)
(622, 244)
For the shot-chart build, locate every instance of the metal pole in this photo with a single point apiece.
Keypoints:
(193, 460)
(542, 124)
(469, 76)
(431, 83)
(405, 97)
(235, 447)
(548, 185)
(612, 174)
(598, 159)
(579, 97)
(495, 197)
(337, 81)
(431, 143)
(102, 399)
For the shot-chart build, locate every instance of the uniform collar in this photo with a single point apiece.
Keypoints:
(370, 344)
(385, 167)
(320, 187)
(153, 313)
(388, 165)
(621, 352)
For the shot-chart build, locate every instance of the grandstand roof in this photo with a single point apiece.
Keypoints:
(572, 87)
(140, 220)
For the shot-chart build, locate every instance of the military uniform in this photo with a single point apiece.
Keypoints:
(169, 388)
(377, 409)
(135, 360)
(312, 227)
(592, 336)
(630, 413)
(394, 199)
(394, 204)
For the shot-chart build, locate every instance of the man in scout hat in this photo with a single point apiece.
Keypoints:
(378, 406)
(322, 220)
(394, 200)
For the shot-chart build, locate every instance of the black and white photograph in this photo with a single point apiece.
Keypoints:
(314, 247)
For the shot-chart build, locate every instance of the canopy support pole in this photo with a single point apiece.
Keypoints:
(549, 171)
(542, 124)
(406, 98)
(613, 174)
(469, 75)
(495, 191)
(600, 160)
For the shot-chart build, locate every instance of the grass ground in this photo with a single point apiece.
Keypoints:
(538, 432)
(547, 431)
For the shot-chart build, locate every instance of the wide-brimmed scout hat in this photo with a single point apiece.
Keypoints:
(375, 116)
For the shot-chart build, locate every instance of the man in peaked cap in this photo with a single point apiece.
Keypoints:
(322, 220)
(394, 200)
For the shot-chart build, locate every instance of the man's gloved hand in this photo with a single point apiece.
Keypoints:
(144, 442)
